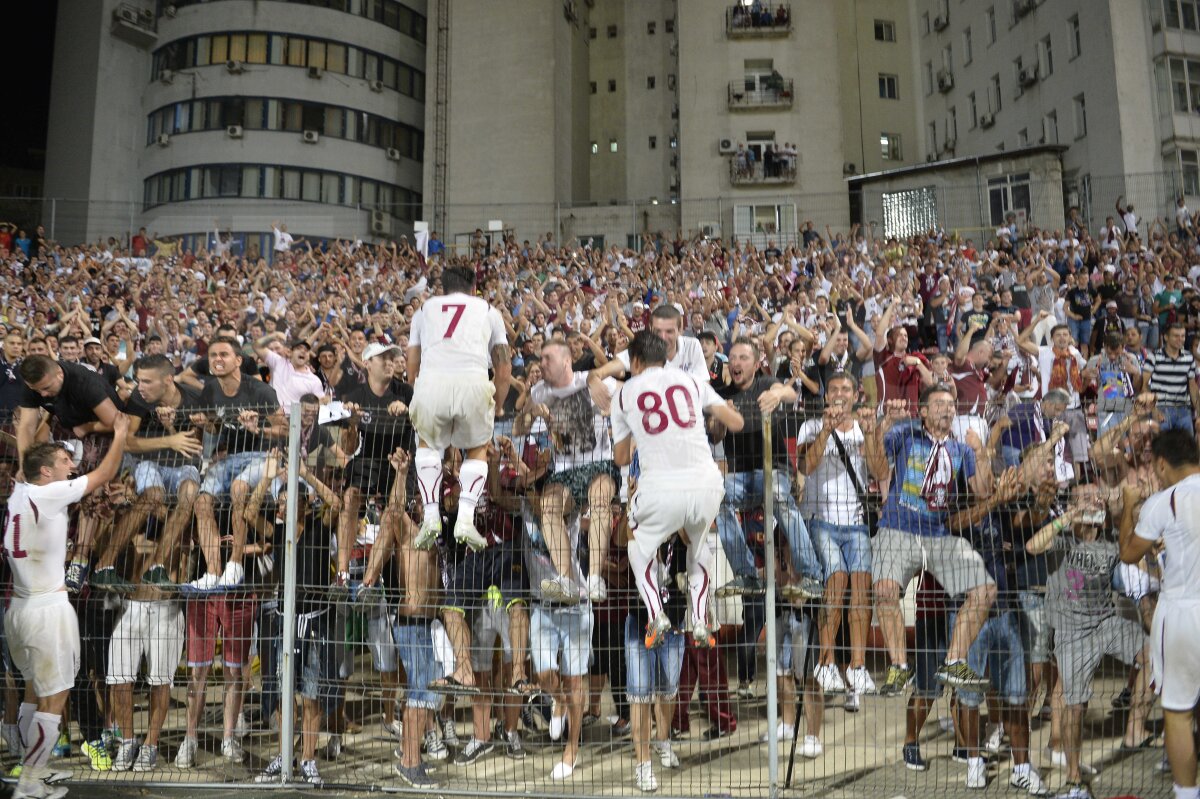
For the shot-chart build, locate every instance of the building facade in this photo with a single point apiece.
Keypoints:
(185, 116)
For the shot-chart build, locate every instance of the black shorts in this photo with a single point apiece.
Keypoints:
(372, 476)
(470, 576)
(931, 638)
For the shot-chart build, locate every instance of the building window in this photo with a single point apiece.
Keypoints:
(952, 124)
(885, 30)
(1074, 42)
(653, 142)
(1080, 116)
(612, 31)
(889, 87)
(595, 147)
(931, 139)
(1008, 194)
(612, 85)
(989, 21)
(889, 147)
(1046, 58)
(928, 76)
(1022, 137)
(973, 110)
(651, 27)
(1183, 14)
(1050, 128)
(669, 26)
(1189, 164)
(592, 86)
(968, 47)
(612, 145)
(925, 23)
(994, 102)
(650, 82)
(1185, 84)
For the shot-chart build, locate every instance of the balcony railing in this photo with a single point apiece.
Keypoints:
(758, 20)
(777, 170)
(771, 93)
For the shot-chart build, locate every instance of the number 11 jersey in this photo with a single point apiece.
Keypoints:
(35, 538)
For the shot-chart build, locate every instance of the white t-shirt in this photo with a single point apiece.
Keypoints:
(35, 539)
(829, 493)
(456, 334)
(283, 240)
(577, 427)
(1174, 516)
(1046, 367)
(689, 356)
(663, 409)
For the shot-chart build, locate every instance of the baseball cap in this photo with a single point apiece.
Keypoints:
(299, 342)
(92, 340)
(371, 350)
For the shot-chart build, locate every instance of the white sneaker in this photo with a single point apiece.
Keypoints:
(239, 729)
(435, 748)
(853, 702)
(976, 773)
(557, 725)
(233, 576)
(995, 740)
(858, 679)
(560, 589)
(465, 533)
(810, 747)
(186, 756)
(231, 750)
(666, 755)
(563, 770)
(643, 775)
(147, 759)
(1058, 759)
(829, 679)
(126, 753)
(783, 732)
(30, 786)
(431, 528)
(1030, 781)
(597, 590)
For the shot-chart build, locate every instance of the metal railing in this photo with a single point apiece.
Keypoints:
(758, 20)
(770, 93)
(778, 170)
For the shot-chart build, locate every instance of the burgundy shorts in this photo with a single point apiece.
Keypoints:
(233, 617)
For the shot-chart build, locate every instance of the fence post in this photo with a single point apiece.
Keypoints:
(772, 633)
(287, 687)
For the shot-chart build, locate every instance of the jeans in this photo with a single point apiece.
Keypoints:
(1177, 417)
(745, 490)
(1081, 331)
(1107, 419)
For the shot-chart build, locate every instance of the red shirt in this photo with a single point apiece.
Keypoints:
(896, 380)
(971, 384)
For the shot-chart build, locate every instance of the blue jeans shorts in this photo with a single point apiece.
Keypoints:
(148, 474)
(561, 629)
(841, 547)
(414, 640)
(997, 652)
(796, 645)
(246, 467)
(651, 674)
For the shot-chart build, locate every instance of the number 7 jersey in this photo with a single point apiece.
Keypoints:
(663, 409)
(456, 334)
(35, 538)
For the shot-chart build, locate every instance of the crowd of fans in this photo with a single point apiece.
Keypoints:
(935, 401)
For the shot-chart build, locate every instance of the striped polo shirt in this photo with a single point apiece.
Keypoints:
(1169, 377)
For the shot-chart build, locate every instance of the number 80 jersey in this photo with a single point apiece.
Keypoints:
(456, 334)
(663, 409)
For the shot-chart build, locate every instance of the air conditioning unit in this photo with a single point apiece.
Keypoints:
(929, 159)
(234, 67)
(147, 17)
(849, 168)
(675, 112)
(376, 85)
(393, 154)
(311, 137)
(163, 139)
(948, 145)
(127, 14)
(315, 73)
(725, 146)
(941, 22)
(379, 223)
(166, 76)
(674, 181)
(945, 80)
(711, 230)
(1027, 76)
(170, 11)
(986, 120)
(234, 131)
(1023, 7)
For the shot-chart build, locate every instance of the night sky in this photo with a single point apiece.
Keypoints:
(27, 61)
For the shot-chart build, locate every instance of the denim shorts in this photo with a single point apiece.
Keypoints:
(997, 652)
(246, 467)
(651, 674)
(414, 640)
(1035, 630)
(148, 474)
(561, 629)
(796, 645)
(841, 547)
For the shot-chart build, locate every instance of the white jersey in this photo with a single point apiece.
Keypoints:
(1173, 515)
(689, 356)
(35, 539)
(663, 409)
(578, 429)
(456, 334)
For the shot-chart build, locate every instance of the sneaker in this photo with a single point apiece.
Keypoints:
(810, 588)
(29, 786)
(853, 702)
(666, 754)
(597, 589)
(746, 691)
(858, 679)
(76, 577)
(959, 755)
(431, 528)
(562, 771)
(561, 590)
(416, 776)
(231, 750)
(976, 773)
(272, 772)
(125, 755)
(435, 749)
(233, 575)
(1074, 790)
(513, 748)
(912, 758)
(702, 636)
(204, 584)
(157, 575)
(1058, 759)
(111, 738)
(995, 740)
(621, 728)
(783, 732)
(147, 759)
(97, 755)
(657, 629)
(309, 773)
(62, 747)
(829, 678)
(333, 747)
(1030, 782)
(643, 776)
(741, 586)
(960, 675)
(810, 747)
(465, 533)
(474, 750)
(896, 681)
(1123, 700)
(449, 734)
(394, 728)
(12, 740)
(557, 725)
(186, 756)
(108, 579)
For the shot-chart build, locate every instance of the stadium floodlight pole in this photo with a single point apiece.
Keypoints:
(287, 687)
(772, 633)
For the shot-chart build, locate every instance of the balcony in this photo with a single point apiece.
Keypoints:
(758, 20)
(780, 172)
(771, 92)
(135, 25)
